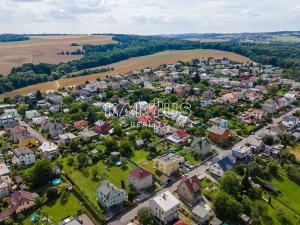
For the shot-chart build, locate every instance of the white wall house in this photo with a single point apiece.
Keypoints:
(165, 207)
(49, 150)
(23, 156)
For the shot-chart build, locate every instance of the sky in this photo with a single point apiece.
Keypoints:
(148, 16)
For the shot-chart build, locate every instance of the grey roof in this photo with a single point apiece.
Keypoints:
(290, 118)
(217, 130)
(200, 211)
(22, 151)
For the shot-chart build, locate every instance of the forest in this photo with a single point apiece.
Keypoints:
(286, 56)
(12, 37)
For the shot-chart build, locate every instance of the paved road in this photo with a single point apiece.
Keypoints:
(199, 171)
(33, 132)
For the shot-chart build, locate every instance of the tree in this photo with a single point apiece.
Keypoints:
(22, 108)
(245, 181)
(52, 193)
(254, 169)
(41, 173)
(125, 148)
(123, 184)
(74, 145)
(38, 95)
(110, 144)
(272, 167)
(117, 130)
(196, 78)
(226, 207)
(145, 217)
(146, 133)
(231, 183)
(82, 160)
(268, 140)
(91, 116)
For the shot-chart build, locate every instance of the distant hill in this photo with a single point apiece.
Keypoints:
(13, 37)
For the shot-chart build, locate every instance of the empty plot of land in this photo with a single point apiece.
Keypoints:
(132, 64)
(44, 49)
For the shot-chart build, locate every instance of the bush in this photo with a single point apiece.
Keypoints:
(293, 173)
(52, 193)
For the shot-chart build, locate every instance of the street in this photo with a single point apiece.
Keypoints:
(33, 132)
(199, 171)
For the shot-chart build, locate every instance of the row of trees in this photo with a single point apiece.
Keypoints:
(13, 37)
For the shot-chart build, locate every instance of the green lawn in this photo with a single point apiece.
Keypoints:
(290, 191)
(140, 157)
(87, 185)
(57, 211)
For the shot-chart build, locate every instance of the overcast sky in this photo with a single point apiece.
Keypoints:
(148, 16)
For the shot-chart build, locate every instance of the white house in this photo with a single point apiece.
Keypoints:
(23, 156)
(165, 207)
(49, 150)
(184, 121)
(11, 112)
(108, 195)
(31, 114)
(4, 170)
(65, 138)
(221, 166)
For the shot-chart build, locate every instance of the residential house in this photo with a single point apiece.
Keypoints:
(109, 195)
(218, 134)
(101, 127)
(140, 179)
(23, 156)
(162, 129)
(87, 135)
(141, 106)
(4, 171)
(64, 139)
(242, 152)
(200, 146)
(15, 133)
(120, 110)
(43, 104)
(165, 207)
(200, 214)
(19, 202)
(184, 121)
(32, 114)
(282, 103)
(181, 222)
(5, 186)
(80, 125)
(259, 114)
(179, 137)
(28, 141)
(219, 122)
(146, 119)
(256, 144)
(70, 221)
(231, 97)
(49, 150)
(172, 114)
(11, 112)
(291, 96)
(6, 119)
(290, 121)
(221, 166)
(189, 189)
(166, 164)
(39, 120)
(270, 106)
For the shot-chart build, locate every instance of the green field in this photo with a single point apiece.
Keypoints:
(57, 211)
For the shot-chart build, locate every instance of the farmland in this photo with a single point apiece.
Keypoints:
(132, 64)
(44, 49)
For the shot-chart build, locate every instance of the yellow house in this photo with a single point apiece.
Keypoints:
(166, 164)
(28, 141)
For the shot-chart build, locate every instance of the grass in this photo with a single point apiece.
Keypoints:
(88, 186)
(57, 211)
(295, 151)
(140, 157)
(289, 195)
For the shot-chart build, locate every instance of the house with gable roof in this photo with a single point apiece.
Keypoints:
(221, 166)
(189, 189)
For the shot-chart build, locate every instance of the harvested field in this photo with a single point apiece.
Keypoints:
(44, 49)
(132, 64)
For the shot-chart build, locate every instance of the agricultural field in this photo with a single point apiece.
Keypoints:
(285, 38)
(44, 49)
(132, 64)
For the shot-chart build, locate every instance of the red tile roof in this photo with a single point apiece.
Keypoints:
(139, 173)
(146, 119)
(181, 134)
(181, 222)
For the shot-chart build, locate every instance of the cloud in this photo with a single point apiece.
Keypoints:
(147, 16)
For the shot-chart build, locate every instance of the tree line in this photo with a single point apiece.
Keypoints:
(12, 37)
